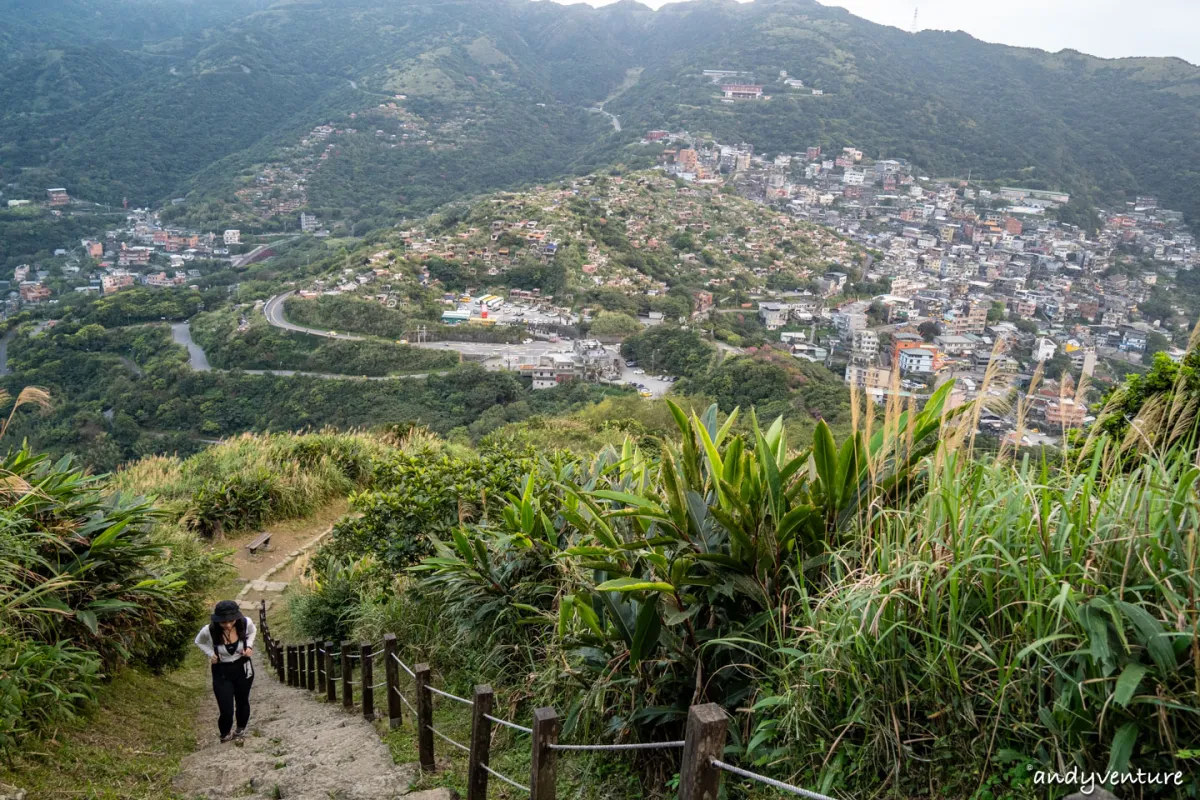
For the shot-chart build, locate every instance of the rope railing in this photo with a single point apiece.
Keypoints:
(508, 724)
(600, 748)
(404, 699)
(505, 778)
(763, 779)
(443, 736)
(318, 667)
(463, 700)
(404, 666)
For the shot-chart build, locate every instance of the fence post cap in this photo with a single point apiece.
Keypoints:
(483, 688)
(544, 714)
(708, 712)
(389, 637)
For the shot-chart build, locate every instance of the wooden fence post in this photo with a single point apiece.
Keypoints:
(391, 672)
(481, 740)
(421, 674)
(367, 676)
(544, 767)
(292, 665)
(330, 680)
(312, 666)
(301, 657)
(347, 671)
(704, 741)
(322, 671)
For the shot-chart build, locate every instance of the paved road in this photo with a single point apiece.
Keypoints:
(616, 122)
(273, 311)
(182, 333)
(8, 337)
(240, 261)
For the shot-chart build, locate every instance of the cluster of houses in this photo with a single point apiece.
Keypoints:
(972, 260)
(144, 253)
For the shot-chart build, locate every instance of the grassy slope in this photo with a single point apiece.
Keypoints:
(130, 748)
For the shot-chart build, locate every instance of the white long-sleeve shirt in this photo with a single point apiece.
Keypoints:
(205, 643)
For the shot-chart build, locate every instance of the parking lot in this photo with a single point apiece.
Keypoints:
(653, 383)
(516, 313)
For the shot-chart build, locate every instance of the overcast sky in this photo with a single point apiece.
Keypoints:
(1108, 28)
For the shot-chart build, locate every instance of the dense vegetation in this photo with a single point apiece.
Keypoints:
(127, 392)
(355, 315)
(889, 610)
(87, 585)
(501, 90)
(261, 346)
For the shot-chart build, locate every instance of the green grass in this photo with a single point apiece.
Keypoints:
(129, 747)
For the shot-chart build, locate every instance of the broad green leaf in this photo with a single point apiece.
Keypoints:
(1127, 684)
(645, 635)
(1122, 748)
(634, 585)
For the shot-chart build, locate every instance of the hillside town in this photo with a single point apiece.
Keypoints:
(977, 277)
(142, 252)
(894, 280)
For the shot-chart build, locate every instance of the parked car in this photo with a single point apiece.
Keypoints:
(639, 372)
(631, 363)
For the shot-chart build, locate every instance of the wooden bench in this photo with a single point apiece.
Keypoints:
(263, 541)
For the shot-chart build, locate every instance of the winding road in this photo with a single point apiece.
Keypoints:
(182, 333)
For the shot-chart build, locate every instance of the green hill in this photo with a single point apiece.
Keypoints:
(205, 94)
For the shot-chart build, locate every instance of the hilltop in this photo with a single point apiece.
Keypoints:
(636, 243)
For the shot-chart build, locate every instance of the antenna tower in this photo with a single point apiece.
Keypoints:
(916, 13)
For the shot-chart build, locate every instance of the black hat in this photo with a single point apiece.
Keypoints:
(226, 611)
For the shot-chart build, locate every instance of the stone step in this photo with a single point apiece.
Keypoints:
(441, 793)
(253, 605)
(266, 586)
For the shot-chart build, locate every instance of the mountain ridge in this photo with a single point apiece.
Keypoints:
(948, 101)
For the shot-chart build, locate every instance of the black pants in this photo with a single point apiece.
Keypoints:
(231, 685)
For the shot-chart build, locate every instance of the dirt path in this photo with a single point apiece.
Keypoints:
(298, 747)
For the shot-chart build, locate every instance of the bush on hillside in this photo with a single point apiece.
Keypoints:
(87, 585)
(886, 609)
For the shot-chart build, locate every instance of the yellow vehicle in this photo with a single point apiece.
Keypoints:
(644, 392)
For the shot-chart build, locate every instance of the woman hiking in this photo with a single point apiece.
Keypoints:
(228, 641)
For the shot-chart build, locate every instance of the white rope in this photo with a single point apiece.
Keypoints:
(404, 666)
(508, 724)
(377, 685)
(609, 747)
(439, 734)
(404, 699)
(780, 785)
(451, 696)
(506, 779)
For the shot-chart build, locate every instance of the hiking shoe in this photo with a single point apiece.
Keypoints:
(240, 733)
(227, 738)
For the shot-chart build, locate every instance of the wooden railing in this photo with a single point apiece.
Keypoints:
(321, 667)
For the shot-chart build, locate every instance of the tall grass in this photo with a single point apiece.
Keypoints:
(253, 479)
(894, 614)
(1007, 614)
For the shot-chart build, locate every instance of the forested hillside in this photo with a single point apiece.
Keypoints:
(158, 98)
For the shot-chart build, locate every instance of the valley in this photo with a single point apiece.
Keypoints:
(719, 400)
